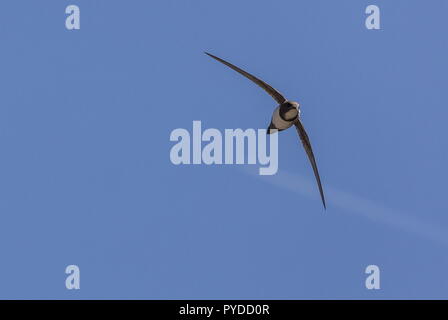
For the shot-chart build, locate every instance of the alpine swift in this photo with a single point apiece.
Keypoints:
(285, 115)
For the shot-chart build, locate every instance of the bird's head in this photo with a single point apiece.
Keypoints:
(290, 110)
(296, 105)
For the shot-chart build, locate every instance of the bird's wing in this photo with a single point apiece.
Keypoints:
(271, 91)
(309, 151)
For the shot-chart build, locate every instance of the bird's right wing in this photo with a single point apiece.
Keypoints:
(309, 151)
(271, 91)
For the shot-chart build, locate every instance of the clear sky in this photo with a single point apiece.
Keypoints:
(86, 177)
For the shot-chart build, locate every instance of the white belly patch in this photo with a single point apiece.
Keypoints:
(278, 122)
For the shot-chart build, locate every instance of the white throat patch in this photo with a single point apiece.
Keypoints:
(291, 114)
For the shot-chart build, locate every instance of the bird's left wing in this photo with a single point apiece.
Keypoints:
(271, 91)
(309, 151)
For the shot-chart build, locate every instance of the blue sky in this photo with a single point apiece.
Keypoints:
(86, 178)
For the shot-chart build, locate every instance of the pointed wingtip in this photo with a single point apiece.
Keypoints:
(210, 55)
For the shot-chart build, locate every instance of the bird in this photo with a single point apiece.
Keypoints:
(285, 115)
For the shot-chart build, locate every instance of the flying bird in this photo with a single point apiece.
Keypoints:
(285, 115)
